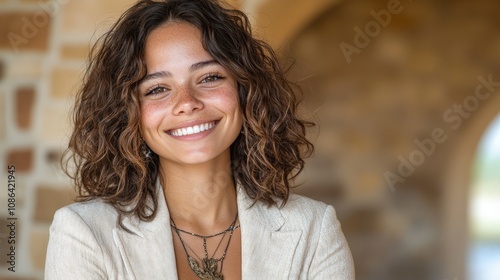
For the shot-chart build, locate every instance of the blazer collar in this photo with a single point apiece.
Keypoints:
(267, 249)
(147, 250)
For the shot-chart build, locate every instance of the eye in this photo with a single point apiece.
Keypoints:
(156, 90)
(212, 77)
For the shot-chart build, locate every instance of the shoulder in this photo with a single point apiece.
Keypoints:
(326, 250)
(301, 203)
(302, 209)
(93, 214)
(299, 213)
(77, 235)
(315, 219)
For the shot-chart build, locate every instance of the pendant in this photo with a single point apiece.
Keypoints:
(209, 271)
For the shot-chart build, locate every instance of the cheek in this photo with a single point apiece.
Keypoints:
(150, 117)
(229, 100)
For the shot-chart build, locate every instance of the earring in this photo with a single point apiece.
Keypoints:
(145, 150)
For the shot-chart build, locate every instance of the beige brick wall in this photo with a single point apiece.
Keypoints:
(43, 45)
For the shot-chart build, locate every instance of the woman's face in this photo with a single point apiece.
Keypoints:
(190, 112)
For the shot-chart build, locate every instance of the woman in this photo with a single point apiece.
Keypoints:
(185, 142)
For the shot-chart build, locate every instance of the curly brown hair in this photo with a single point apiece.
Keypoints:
(104, 155)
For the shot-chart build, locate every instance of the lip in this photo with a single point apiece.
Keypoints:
(193, 136)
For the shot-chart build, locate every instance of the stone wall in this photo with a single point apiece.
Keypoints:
(395, 85)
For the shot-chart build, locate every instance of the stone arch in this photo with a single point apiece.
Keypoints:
(456, 188)
(279, 21)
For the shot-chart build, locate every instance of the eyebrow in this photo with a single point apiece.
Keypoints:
(165, 74)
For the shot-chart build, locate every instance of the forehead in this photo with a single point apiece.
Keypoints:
(174, 41)
(173, 33)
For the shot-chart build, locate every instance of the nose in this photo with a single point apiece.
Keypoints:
(186, 101)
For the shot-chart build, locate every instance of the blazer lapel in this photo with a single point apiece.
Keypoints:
(267, 251)
(147, 251)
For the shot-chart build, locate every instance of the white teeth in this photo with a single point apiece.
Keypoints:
(192, 129)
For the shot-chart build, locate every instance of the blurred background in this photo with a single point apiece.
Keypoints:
(406, 95)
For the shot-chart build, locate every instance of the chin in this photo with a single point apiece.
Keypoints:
(196, 159)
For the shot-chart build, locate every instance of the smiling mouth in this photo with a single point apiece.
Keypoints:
(192, 129)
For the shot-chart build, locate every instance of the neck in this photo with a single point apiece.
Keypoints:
(200, 197)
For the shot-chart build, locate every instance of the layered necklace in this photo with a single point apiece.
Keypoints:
(209, 269)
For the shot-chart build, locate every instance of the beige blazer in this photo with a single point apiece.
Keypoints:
(302, 240)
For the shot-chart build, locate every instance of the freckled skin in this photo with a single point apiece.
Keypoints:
(185, 95)
(176, 95)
